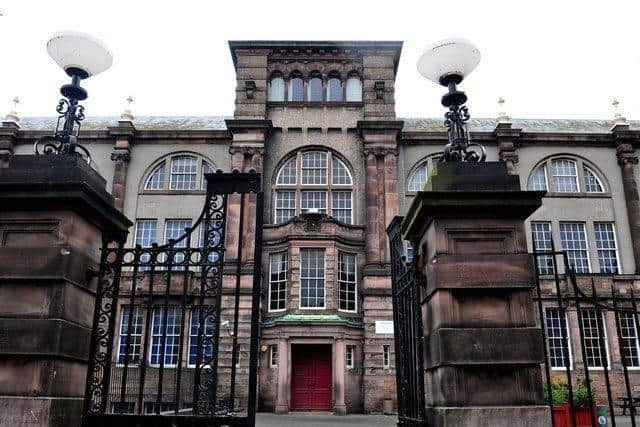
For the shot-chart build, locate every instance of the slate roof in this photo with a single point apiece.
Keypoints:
(410, 124)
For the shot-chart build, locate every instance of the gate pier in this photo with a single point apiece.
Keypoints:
(55, 215)
(482, 348)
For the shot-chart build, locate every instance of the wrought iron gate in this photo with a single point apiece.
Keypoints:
(593, 369)
(179, 354)
(407, 324)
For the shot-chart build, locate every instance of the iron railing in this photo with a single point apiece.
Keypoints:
(175, 358)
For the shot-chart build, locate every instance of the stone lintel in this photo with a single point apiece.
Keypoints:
(368, 129)
(51, 338)
(500, 416)
(249, 125)
(483, 346)
(467, 271)
(125, 129)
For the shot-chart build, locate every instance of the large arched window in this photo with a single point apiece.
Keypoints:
(315, 87)
(179, 172)
(354, 88)
(566, 175)
(420, 174)
(296, 88)
(276, 88)
(313, 181)
(334, 88)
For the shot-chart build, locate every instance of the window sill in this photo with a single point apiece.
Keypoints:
(173, 192)
(578, 195)
(302, 104)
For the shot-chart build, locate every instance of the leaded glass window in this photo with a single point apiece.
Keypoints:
(347, 281)
(156, 178)
(559, 348)
(184, 173)
(354, 89)
(574, 241)
(606, 247)
(541, 233)
(315, 89)
(312, 278)
(172, 329)
(278, 268)
(334, 89)
(296, 89)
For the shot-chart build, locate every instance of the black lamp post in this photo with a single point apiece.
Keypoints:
(80, 56)
(447, 63)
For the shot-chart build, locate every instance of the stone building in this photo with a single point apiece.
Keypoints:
(318, 120)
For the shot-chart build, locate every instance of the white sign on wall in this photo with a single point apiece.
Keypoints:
(384, 327)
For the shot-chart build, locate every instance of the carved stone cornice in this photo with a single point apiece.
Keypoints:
(626, 154)
(314, 226)
(125, 129)
(121, 156)
(380, 151)
(246, 149)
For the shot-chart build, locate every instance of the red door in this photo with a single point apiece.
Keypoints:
(311, 378)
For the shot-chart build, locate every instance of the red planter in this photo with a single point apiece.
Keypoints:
(562, 415)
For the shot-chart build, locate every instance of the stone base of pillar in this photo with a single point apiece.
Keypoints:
(340, 409)
(20, 411)
(507, 416)
(282, 409)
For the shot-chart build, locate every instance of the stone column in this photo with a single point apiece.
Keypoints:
(339, 406)
(627, 159)
(483, 349)
(55, 216)
(391, 202)
(121, 155)
(372, 242)
(282, 400)
(507, 137)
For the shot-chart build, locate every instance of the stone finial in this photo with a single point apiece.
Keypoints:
(12, 115)
(618, 118)
(502, 115)
(127, 114)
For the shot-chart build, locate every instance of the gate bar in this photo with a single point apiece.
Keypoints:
(234, 346)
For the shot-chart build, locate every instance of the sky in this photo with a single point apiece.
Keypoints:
(548, 59)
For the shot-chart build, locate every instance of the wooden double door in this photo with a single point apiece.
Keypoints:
(311, 379)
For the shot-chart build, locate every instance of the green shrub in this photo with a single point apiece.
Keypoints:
(581, 393)
(560, 393)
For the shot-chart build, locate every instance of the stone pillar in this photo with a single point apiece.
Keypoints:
(391, 201)
(507, 137)
(483, 349)
(282, 399)
(55, 216)
(121, 155)
(339, 406)
(372, 242)
(627, 159)
(8, 134)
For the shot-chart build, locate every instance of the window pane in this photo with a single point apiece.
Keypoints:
(596, 353)
(145, 236)
(606, 246)
(278, 266)
(541, 236)
(559, 349)
(315, 89)
(287, 174)
(565, 175)
(340, 173)
(296, 90)
(207, 337)
(183, 173)
(172, 330)
(334, 89)
(314, 200)
(347, 281)
(591, 182)
(419, 178)
(276, 89)
(341, 208)
(629, 335)
(136, 334)
(354, 89)
(175, 229)
(285, 206)
(539, 180)
(312, 284)
(156, 179)
(206, 168)
(574, 241)
(314, 168)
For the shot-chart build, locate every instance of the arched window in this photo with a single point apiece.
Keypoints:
(186, 172)
(565, 175)
(296, 88)
(420, 174)
(313, 181)
(276, 88)
(354, 89)
(334, 88)
(156, 178)
(315, 88)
